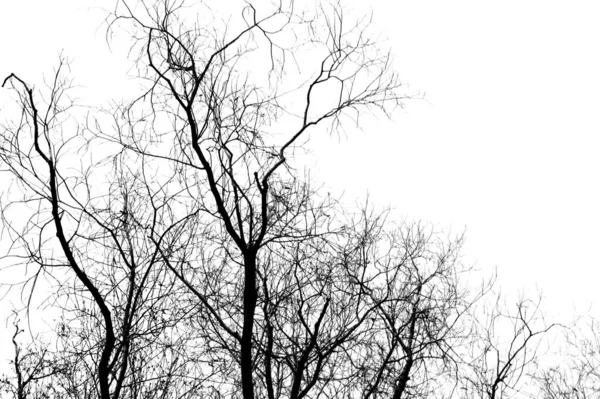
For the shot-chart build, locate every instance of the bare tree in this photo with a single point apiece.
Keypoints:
(504, 350)
(574, 374)
(120, 287)
(223, 123)
(30, 365)
(186, 254)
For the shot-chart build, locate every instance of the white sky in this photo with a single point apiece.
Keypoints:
(505, 143)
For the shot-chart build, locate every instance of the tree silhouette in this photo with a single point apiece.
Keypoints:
(188, 257)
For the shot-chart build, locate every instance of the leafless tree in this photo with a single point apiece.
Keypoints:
(186, 254)
(121, 294)
(30, 366)
(574, 373)
(504, 350)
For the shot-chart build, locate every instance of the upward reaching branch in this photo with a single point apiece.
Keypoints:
(40, 125)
